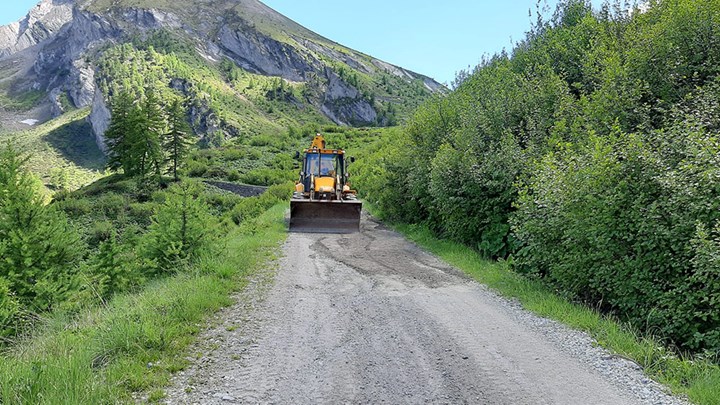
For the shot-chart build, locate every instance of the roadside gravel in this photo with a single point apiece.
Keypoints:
(371, 318)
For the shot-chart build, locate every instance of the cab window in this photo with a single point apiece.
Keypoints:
(312, 163)
(327, 165)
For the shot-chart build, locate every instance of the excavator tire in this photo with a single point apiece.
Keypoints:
(324, 216)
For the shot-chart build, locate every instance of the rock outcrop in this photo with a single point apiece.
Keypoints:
(344, 104)
(261, 54)
(99, 119)
(41, 23)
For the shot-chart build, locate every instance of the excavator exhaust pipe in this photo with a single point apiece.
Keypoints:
(338, 216)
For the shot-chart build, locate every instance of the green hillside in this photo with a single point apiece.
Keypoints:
(63, 152)
(243, 72)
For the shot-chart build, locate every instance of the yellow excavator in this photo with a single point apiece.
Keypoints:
(323, 201)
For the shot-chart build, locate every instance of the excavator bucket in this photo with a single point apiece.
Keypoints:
(324, 216)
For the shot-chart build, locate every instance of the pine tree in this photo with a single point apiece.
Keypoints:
(9, 308)
(113, 268)
(153, 130)
(133, 137)
(38, 247)
(178, 137)
(117, 136)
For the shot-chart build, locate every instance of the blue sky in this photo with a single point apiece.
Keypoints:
(435, 38)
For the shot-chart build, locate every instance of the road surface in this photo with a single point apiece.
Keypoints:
(371, 318)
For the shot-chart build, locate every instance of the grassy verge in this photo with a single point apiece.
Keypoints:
(136, 341)
(697, 378)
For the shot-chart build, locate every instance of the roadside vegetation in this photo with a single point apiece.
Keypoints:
(133, 342)
(115, 276)
(102, 281)
(587, 159)
(111, 237)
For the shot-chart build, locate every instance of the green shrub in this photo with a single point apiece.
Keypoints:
(255, 154)
(232, 154)
(101, 231)
(266, 177)
(181, 228)
(75, 206)
(222, 202)
(247, 208)
(61, 195)
(281, 191)
(386, 176)
(196, 169)
(142, 212)
(472, 194)
(233, 175)
(621, 223)
(111, 204)
(266, 201)
(262, 140)
(216, 172)
(126, 186)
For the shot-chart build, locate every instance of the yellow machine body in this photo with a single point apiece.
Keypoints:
(323, 200)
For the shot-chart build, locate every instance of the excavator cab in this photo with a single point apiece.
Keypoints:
(321, 166)
(323, 201)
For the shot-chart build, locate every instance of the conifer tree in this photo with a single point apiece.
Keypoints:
(178, 137)
(181, 228)
(114, 270)
(134, 150)
(118, 136)
(9, 308)
(133, 137)
(152, 131)
(39, 249)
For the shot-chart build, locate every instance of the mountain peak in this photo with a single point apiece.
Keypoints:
(41, 22)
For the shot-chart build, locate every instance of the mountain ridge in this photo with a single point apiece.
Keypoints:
(52, 54)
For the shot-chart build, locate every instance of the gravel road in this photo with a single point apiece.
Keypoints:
(371, 318)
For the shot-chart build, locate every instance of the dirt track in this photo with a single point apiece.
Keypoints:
(371, 318)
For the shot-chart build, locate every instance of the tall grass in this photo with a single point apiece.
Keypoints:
(698, 377)
(135, 342)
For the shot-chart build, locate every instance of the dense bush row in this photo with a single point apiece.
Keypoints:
(589, 156)
(110, 237)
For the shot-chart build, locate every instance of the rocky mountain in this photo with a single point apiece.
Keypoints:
(242, 67)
